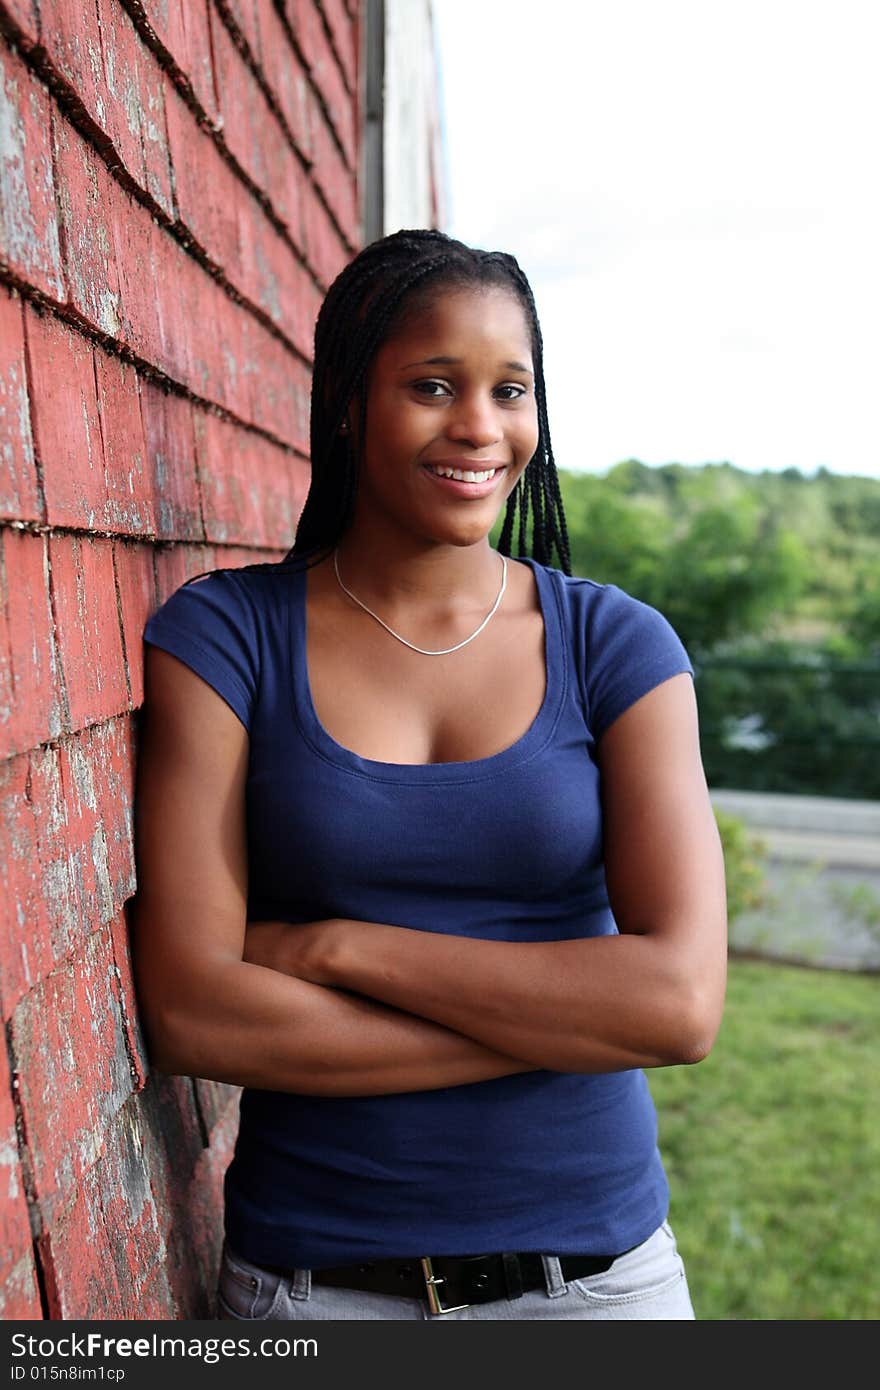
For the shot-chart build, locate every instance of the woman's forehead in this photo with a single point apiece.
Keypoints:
(455, 318)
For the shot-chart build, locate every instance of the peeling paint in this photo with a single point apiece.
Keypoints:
(14, 390)
(125, 1201)
(58, 897)
(31, 239)
(18, 1293)
(108, 312)
(102, 872)
(9, 1160)
(54, 720)
(82, 774)
(18, 221)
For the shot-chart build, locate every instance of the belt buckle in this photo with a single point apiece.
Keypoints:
(432, 1281)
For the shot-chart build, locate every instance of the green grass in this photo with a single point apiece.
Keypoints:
(772, 1147)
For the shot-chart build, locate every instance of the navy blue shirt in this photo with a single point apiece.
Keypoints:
(506, 848)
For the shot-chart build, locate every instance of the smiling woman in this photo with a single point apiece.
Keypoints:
(427, 862)
(448, 427)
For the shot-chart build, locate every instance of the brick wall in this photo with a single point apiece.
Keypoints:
(178, 188)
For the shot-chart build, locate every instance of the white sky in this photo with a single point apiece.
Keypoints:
(693, 189)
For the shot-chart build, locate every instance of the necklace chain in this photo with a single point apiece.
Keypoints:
(422, 650)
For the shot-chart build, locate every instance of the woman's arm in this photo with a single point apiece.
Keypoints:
(206, 1011)
(652, 996)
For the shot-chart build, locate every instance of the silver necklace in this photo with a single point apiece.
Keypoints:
(411, 645)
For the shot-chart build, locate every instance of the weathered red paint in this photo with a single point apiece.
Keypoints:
(71, 1055)
(115, 743)
(19, 494)
(30, 696)
(343, 36)
(242, 15)
(195, 1202)
(85, 839)
(130, 501)
(325, 71)
(234, 555)
(65, 421)
(177, 563)
(233, 229)
(274, 279)
(249, 371)
(39, 919)
(171, 461)
(71, 38)
(215, 1099)
(24, 18)
(134, 117)
(86, 193)
(206, 188)
(334, 178)
(19, 1294)
(251, 488)
(66, 816)
(112, 83)
(102, 1244)
(283, 71)
(156, 422)
(29, 245)
(254, 135)
(96, 767)
(183, 33)
(143, 284)
(89, 637)
(136, 583)
(135, 1041)
(327, 252)
(19, 881)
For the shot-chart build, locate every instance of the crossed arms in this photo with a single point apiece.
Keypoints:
(350, 1008)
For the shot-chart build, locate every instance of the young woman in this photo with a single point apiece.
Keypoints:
(427, 862)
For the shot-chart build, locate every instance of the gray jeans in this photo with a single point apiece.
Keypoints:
(647, 1282)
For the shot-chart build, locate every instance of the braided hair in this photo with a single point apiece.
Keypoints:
(386, 281)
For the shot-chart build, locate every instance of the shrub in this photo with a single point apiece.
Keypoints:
(744, 857)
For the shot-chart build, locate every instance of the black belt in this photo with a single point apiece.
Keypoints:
(450, 1282)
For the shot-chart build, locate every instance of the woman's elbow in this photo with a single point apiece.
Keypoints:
(173, 1020)
(166, 1039)
(690, 1050)
(695, 1027)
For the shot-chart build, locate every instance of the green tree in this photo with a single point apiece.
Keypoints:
(718, 568)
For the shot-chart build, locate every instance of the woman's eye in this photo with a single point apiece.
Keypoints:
(512, 391)
(431, 388)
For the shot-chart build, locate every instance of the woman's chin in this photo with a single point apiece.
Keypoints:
(463, 529)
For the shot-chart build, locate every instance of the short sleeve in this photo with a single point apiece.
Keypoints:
(210, 625)
(631, 648)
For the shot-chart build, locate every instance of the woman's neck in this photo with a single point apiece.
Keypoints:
(417, 572)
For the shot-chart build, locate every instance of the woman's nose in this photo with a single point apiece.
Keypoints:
(474, 422)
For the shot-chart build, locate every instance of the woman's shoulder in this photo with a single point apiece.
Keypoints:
(231, 592)
(587, 600)
(622, 646)
(253, 580)
(219, 623)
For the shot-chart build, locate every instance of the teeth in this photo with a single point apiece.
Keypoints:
(462, 475)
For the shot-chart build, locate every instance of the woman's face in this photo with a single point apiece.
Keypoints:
(451, 392)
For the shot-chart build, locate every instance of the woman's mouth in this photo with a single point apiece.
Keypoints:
(465, 482)
(463, 475)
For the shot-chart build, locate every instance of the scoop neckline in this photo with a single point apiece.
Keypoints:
(532, 741)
